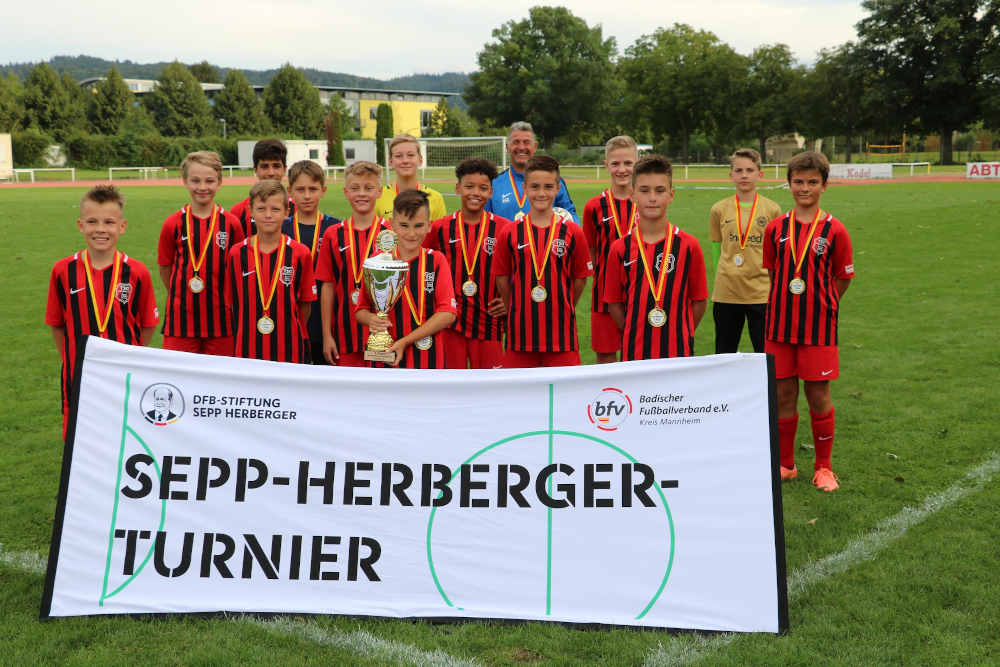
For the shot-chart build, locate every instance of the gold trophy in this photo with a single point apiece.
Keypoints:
(384, 278)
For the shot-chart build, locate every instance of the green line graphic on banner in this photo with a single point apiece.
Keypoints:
(551, 432)
(128, 430)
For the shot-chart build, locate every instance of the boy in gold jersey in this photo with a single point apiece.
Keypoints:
(736, 229)
(405, 159)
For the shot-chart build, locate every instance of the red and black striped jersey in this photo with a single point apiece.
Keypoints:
(473, 320)
(335, 266)
(70, 305)
(311, 236)
(809, 318)
(293, 284)
(187, 313)
(242, 212)
(439, 297)
(605, 219)
(685, 282)
(548, 325)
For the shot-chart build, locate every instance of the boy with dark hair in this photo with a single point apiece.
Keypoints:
(192, 258)
(99, 291)
(541, 267)
(655, 285)
(428, 303)
(606, 218)
(467, 239)
(307, 225)
(269, 161)
(270, 285)
(343, 251)
(405, 159)
(736, 230)
(807, 253)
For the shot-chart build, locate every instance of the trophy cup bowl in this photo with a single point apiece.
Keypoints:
(384, 279)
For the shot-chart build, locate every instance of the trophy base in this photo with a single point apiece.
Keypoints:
(385, 356)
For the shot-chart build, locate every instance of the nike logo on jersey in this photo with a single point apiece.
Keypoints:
(521, 246)
(610, 217)
(631, 263)
(248, 273)
(782, 239)
(77, 290)
(454, 240)
(825, 373)
(344, 247)
(184, 238)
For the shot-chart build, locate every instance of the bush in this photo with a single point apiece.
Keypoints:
(96, 151)
(29, 147)
(91, 151)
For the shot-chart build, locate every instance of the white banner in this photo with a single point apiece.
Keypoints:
(982, 170)
(642, 493)
(863, 172)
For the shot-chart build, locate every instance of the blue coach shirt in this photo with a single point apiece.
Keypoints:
(504, 199)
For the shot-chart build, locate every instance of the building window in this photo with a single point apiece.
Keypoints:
(372, 113)
(313, 154)
(425, 119)
(348, 153)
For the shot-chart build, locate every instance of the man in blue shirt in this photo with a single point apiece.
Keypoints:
(508, 200)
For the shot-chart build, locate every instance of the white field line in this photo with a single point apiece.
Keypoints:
(686, 650)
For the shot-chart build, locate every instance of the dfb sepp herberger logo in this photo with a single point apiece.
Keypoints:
(610, 409)
(162, 404)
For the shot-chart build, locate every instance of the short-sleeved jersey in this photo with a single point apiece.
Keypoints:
(600, 216)
(549, 325)
(439, 297)
(203, 314)
(334, 266)
(509, 198)
(307, 235)
(295, 285)
(473, 320)
(685, 282)
(748, 281)
(809, 318)
(241, 210)
(70, 305)
(383, 205)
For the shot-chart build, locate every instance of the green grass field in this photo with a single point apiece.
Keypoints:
(899, 566)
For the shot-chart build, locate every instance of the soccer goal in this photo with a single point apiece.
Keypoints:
(441, 154)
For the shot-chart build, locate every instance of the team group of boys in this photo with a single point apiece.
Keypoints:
(483, 291)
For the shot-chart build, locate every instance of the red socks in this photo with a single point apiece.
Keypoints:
(786, 439)
(822, 428)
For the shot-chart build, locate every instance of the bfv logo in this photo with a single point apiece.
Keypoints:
(610, 409)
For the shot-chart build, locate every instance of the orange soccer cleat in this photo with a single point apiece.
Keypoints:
(788, 473)
(825, 480)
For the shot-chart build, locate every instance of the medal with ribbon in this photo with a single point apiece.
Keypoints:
(613, 205)
(298, 236)
(538, 292)
(105, 317)
(265, 324)
(740, 234)
(519, 198)
(797, 285)
(469, 287)
(197, 283)
(417, 309)
(356, 270)
(657, 317)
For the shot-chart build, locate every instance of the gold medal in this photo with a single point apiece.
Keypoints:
(797, 286)
(539, 294)
(657, 317)
(265, 325)
(424, 343)
(355, 296)
(469, 288)
(197, 285)
(738, 259)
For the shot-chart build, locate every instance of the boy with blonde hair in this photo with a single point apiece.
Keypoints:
(736, 230)
(192, 259)
(405, 159)
(606, 218)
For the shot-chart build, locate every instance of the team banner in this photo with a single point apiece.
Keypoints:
(641, 493)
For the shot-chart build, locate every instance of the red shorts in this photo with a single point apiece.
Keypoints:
(462, 352)
(515, 359)
(605, 336)
(220, 346)
(352, 360)
(808, 362)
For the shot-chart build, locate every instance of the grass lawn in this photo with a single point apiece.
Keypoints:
(915, 414)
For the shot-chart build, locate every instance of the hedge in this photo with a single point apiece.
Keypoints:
(96, 151)
(29, 147)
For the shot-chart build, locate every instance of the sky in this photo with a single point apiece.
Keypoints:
(387, 39)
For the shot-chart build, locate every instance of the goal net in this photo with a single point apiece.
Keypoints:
(441, 154)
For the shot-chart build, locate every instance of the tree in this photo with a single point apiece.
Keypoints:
(48, 104)
(178, 104)
(439, 120)
(383, 130)
(681, 81)
(239, 106)
(204, 72)
(292, 104)
(551, 69)
(334, 139)
(109, 103)
(348, 119)
(930, 57)
(11, 109)
(765, 98)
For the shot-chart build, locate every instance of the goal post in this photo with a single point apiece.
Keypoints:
(441, 154)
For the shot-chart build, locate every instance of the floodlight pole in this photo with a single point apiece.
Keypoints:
(223, 121)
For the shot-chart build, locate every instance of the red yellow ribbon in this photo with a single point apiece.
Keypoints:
(103, 319)
(661, 281)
